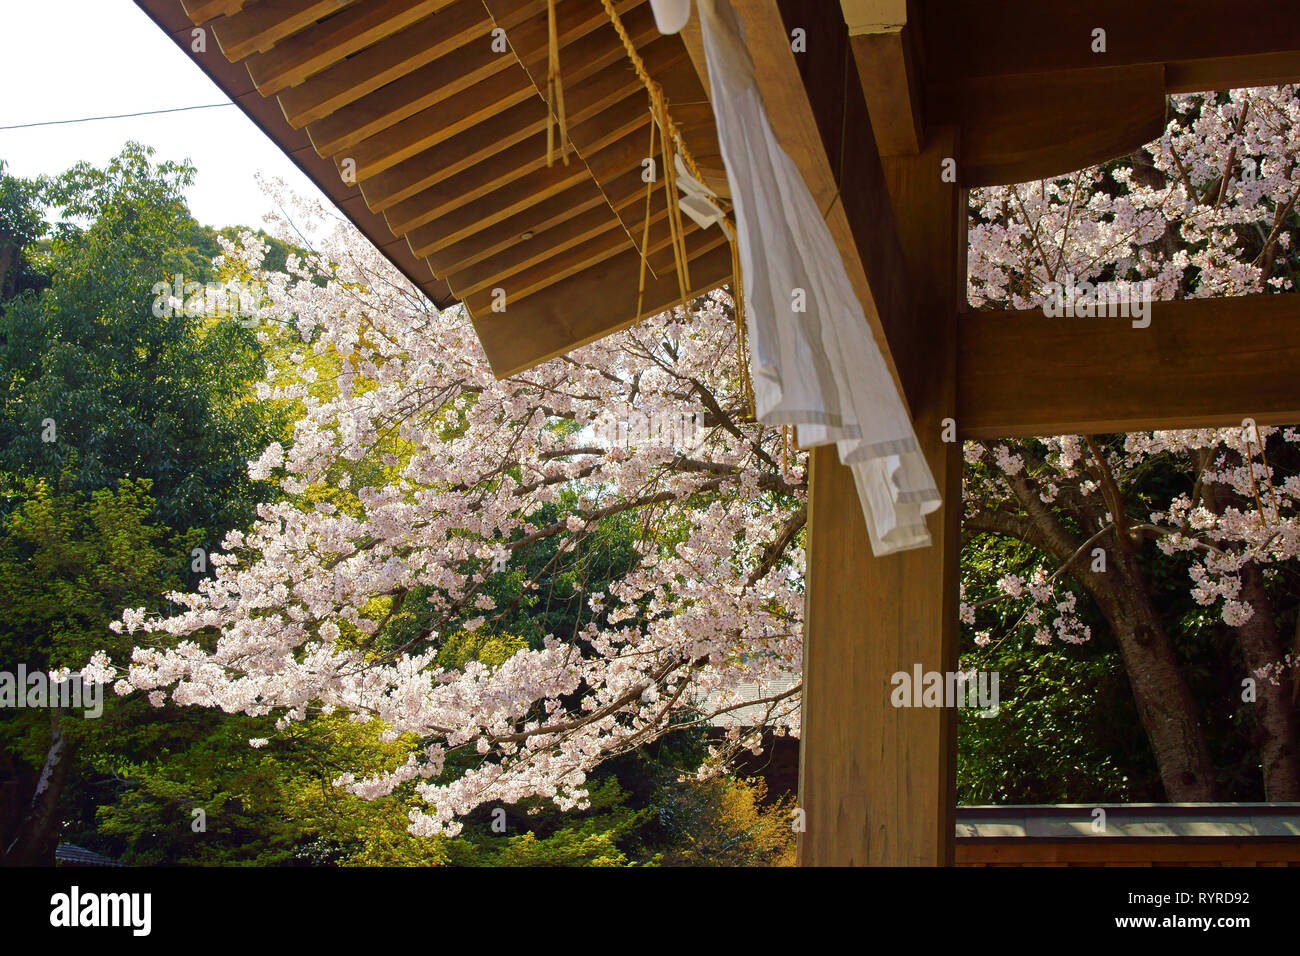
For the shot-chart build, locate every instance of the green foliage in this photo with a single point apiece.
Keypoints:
(99, 387)
(69, 562)
(726, 822)
(490, 649)
(22, 224)
(1066, 732)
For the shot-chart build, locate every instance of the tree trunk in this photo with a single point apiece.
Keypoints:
(1164, 701)
(1165, 705)
(1278, 738)
(37, 833)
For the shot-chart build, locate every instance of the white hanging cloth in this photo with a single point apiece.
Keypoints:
(813, 359)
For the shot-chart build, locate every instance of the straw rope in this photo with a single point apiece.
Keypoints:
(670, 139)
(555, 118)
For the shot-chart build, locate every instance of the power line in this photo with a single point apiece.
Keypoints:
(92, 119)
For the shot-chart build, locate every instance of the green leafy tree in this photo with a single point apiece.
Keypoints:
(69, 561)
(96, 384)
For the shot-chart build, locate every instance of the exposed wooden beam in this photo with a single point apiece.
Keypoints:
(478, 104)
(510, 180)
(546, 206)
(1041, 89)
(884, 50)
(1033, 126)
(1200, 363)
(608, 133)
(1262, 69)
(615, 237)
(886, 67)
(1216, 42)
(201, 11)
(472, 78)
(512, 126)
(585, 218)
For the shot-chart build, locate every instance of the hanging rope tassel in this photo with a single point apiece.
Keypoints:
(746, 385)
(645, 233)
(676, 233)
(671, 142)
(554, 92)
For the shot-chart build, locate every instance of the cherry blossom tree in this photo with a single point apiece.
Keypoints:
(462, 474)
(415, 476)
(1207, 210)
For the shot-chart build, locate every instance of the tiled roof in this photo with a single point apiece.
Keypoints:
(1132, 821)
(70, 854)
(751, 713)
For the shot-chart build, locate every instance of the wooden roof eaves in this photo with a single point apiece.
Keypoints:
(234, 80)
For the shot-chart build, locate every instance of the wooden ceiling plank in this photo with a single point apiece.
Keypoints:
(606, 137)
(482, 217)
(464, 65)
(1021, 373)
(587, 56)
(498, 272)
(624, 196)
(611, 142)
(437, 124)
(386, 61)
(548, 210)
(499, 198)
(549, 325)
(259, 26)
(533, 219)
(323, 44)
(454, 156)
(518, 123)
(613, 240)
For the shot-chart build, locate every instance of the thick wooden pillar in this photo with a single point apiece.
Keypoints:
(877, 783)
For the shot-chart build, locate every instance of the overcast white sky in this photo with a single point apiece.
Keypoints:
(65, 59)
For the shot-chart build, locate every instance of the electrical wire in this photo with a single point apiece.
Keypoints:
(92, 119)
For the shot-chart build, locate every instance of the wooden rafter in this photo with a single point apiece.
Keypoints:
(441, 128)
